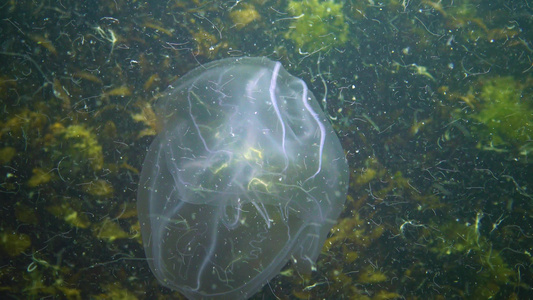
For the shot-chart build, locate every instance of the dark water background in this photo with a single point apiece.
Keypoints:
(432, 102)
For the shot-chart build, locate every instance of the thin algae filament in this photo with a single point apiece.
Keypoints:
(246, 174)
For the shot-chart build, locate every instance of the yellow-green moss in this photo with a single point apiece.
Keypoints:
(317, 24)
(506, 115)
(84, 146)
(69, 214)
(99, 188)
(7, 154)
(244, 16)
(371, 275)
(13, 243)
(115, 291)
(465, 239)
(110, 231)
(39, 177)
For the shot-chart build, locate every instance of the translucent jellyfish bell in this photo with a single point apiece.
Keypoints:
(246, 174)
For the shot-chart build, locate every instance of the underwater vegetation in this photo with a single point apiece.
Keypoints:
(317, 25)
(505, 111)
(466, 243)
(81, 145)
(499, 110)
(431, 101)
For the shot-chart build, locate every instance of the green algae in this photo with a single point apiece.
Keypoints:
(83, 146)
(70, 213)
(317, 25)
(466, 241)
(13, 243)
(504, 115)
(402, 209)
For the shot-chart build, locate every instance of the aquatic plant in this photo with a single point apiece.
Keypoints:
(82, 147)
(317, 25)
(504, 115)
